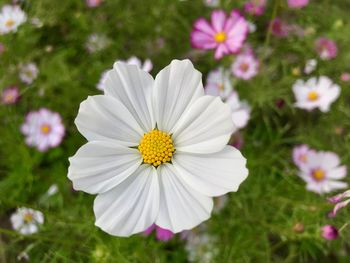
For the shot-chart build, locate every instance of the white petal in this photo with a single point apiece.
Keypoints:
(212, 174)
(99, 166)
(133, 87)
(132, 206)
(337, 173)
(206, 126)
(176, 87)
(105, 118)
(181, 207)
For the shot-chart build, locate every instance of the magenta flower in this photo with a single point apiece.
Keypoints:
(10, 95)
(329, 232)
(43, 129)
(255, 7)
(93, 3)
(279, 28)
(297, 3)
(326, 48)
(224, 34)
(161, 233)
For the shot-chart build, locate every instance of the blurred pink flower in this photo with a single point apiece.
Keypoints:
(297, 3)
(326, 48)
(329, 232)
(255, 7)
(225, 34)
(345, 76)
(323, 172)
(279, 28)
(161, 233)
(240, 110)
(301, 155)
(93, 3)
(245, 66)
(43, 129)
(218, 83)
(10, 95)
(340, 201)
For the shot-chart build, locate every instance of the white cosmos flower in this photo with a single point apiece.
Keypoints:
(323, 172)
(26, 220)
(11, 17)
(240, 110)
(157, 150)
(315, 93)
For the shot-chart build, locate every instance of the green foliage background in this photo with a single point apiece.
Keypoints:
(257, 224)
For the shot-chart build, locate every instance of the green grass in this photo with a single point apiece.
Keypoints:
(257, 223)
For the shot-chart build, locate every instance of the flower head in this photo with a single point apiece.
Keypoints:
(345, 76)
(28, 73)
(323, 172)
(326, 48)
(11, 17)
(240, 110)
(297, 3)
(10, 95)
(279, 28)
(154, 148)
(301, 155)
(245, 66)
(255, 7)
(329, 232)
(225, 34)
(315, 93)
(161, 233)
(26, 221)
(218, 83)
(96, 42)
(43, 129)
(310, 66)
(93, 3)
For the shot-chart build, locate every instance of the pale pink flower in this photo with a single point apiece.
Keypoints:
(340, 201)
(301, 154)
(240, 110)
(345, 76)
(26, 220)
(219, 83)
(93, 3)
(323, 172)
(10, 95)
(28, 73)
(255, 7)
(11, 17)
(329, 232)
(315, 93)
(279, 28)
(245, 66)
(297, 3)
(43, 129)
(326, 48)
(161, 233)
(225, 34)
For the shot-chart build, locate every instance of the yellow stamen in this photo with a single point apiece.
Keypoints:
(318, 174)
(220, 37)
(45, 129)
(156, 147)
(28, 217)
(312, 96)
(9, 23)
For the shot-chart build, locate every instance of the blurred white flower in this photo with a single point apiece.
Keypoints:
(310, 66)
(323, 172)
(211, 3)
(53, 189)
(11, 17)
(240, 110)
(26, 220)
(315, 93)
(146, 66)
(252, 27)
(219, 83)
(28, 73)
(96, 42)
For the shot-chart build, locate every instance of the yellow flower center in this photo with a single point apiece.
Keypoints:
(220, 37)
(312, 96)
(28, 217)
(45, 129)
(156, 147)
(318, 174)
(9, 23)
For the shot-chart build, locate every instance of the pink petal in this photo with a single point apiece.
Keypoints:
(202, 40)
(202, 25)
(218, 19)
